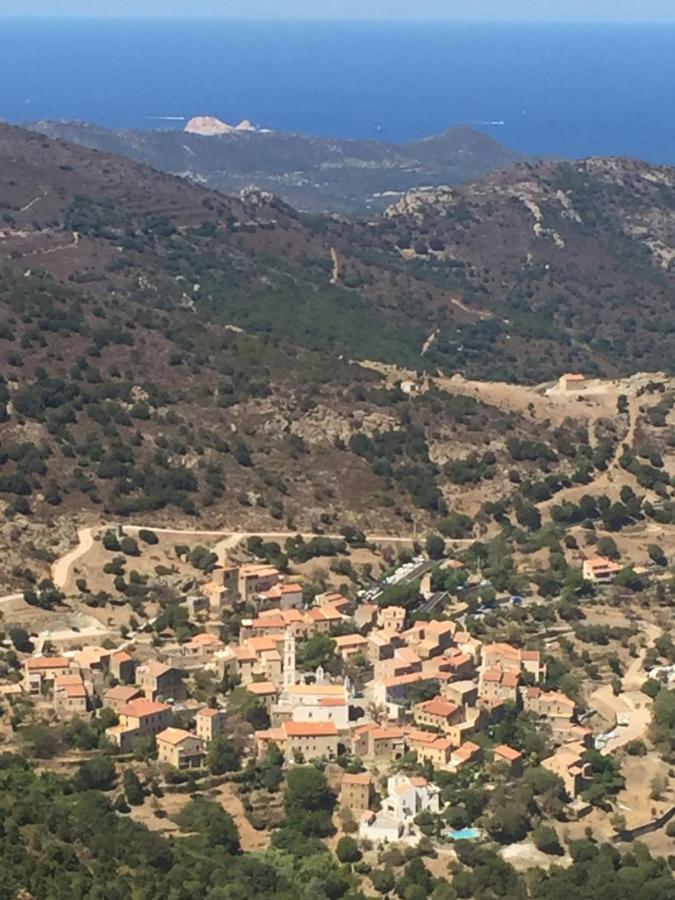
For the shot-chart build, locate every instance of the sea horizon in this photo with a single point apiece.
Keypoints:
(574, 90)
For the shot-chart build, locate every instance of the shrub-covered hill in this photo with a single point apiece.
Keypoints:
(532, 271)
(171, 354)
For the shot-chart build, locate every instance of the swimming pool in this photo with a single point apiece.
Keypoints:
(463, 834)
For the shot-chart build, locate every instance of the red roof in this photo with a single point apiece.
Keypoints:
(507, 752)
(47, 662)
(362, 778)
(439, 707)
(310, 729)
(142, 707)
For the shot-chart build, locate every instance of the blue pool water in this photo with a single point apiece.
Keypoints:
(464, 834)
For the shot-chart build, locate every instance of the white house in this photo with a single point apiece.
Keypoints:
(406, 799)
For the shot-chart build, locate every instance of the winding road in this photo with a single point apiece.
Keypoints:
(61, 569)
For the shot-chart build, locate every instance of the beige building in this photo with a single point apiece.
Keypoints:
(433, 748)
(356, 792)
(391, 619)
(310, 740)
(160, 682)
(70, 695)
(600, 570)
(139, 718)
(349, 645)
(121, 695)
(209, 723)
(255, 579)
(266, 692)
(548, 704)
(282, 596)
(122, 666)
(40, 672)
(508, 756)
(438, 713)
(180, 749)
(567, 763)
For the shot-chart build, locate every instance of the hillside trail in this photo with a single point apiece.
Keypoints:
(335, 263)
(61, 568)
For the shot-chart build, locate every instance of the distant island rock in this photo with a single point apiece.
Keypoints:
(209, 126)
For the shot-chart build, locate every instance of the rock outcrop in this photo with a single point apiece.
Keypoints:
(208, 126)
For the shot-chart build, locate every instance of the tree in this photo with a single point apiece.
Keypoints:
(110, 542)
(383, 880)
(658, 786)
(209, 820)
(243, 703)
(657, 555)
(41, 741)
(21, 639)
(222, 756)
(148, 537)
(509, 823)
(435, 546)
(129, 546)
(528, 516)
(545, 838)
(133, 790)
(97, 774)
(347, 850)
(319, 650)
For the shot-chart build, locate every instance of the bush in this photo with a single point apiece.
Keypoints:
(129, 547)
(148, 537)
(546, 839)
(347, 850)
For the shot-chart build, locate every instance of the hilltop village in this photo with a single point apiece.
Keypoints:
(437, 709)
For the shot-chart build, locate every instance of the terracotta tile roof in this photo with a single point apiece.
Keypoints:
(466, 750)
(508, 753)
(209, 713)
(122, 692)
(530, 655)
(310, 729)
(502, 650)
(418, 781)
(204, 640)
(122, 656)
(510, 679)
(260, 644)
(362, 778)
(155, 668)
(387, 734)
(262, 688)
(47, 662)
(142, 707)
(349, 640)
(493, 675)
(400, 680)
(603, 562)
(175, 736)
(439, 707)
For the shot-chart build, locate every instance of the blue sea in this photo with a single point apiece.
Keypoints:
(567, 90)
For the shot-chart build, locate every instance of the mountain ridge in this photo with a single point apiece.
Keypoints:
(315, 174)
